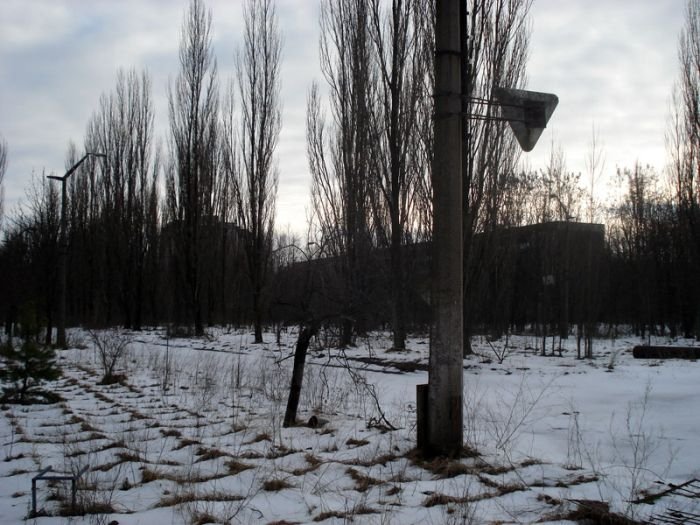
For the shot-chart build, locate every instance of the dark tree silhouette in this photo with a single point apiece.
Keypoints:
(340, 163)
(192, 171)
(258, 71)
(122, 128)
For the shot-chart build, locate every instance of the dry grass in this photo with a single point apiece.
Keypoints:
(206, 454)
(436, 498)
(313, 462)
(280, 452)
(393, 491)
(275, 485)
(381, 459)
(443, 468)
(113, 444)
(501, 488)
(148, 475)
(186, 443)
(170, 432)
(234, 467)
(87, 427)
(85, 507)
(362, 481)
(578, 480)
(126, 457)
(263, 436)
(346, 515)
(203, 518)
(251, 454)
(589, 511)
(331, 514)
(122, 457)
(191, 497)
(356, 442)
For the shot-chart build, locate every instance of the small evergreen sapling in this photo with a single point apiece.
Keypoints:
(26, 366)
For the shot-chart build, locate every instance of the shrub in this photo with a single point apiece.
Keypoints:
(111, 346)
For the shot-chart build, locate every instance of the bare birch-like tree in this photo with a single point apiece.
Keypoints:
(192, 171)
(258, 71)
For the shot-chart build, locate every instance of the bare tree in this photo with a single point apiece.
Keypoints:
(229, 265)
(122, 128)
(595, 164)
(191, 175)
(684, 146)
(258, 71)
(494, 54)
(557, 190)
(422, 227)
(340, 163)
(34, 232)
(395, 33)
(634, 217)
(588, 290)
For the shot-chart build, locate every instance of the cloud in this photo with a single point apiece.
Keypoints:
(58, 57)
(613, 65)
(611, 62)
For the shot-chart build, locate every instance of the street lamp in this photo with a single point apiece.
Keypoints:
(63, 252)
(439, 403)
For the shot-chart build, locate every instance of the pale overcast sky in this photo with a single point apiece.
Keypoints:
(611, 62)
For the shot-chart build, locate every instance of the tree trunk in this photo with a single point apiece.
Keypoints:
(302, 346)
(257, 321)
(398, 293)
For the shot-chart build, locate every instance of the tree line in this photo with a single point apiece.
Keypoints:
(183, 232)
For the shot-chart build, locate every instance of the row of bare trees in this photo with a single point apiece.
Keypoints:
(222, 169)
(368, 165)
(654, 227)
(191, 251)
(371, 195)
(371, 164)
(184, 233)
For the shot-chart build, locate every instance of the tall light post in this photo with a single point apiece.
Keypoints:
(439, 403)
(63, 252)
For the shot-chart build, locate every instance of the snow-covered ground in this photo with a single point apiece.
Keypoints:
(194, 435)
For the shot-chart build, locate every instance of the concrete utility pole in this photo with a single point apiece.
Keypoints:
(439, 403)
(444, 394)
(61, 341)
